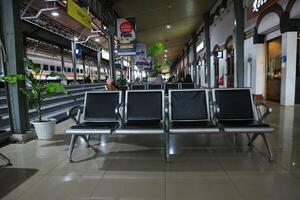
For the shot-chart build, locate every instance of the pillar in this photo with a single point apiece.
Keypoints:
(239, 42)
(99, 60)
(195, 64)
(62, 59)
(83, 68)
(111, 47)
(259, 71)
(288, 70)
(207, 45)
(11, 37)
(73, 48)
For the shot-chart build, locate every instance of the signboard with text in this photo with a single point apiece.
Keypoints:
(126, 37)
(79, 14)
(255, 7)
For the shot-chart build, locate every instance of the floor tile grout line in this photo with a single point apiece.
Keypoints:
(229, 177)
(101, 178)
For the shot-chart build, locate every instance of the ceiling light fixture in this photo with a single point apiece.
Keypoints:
(55, 13)
(166, 50)
(76, 38)
(97, 39)
(168, 26)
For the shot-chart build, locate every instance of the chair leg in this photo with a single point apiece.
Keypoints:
(6, 159)
(248, 137)
(167, 147)
(71, 147)
(86, 139)
(270, 154)
(253, 138)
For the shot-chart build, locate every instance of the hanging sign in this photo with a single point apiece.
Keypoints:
(126, 37)
(259, 5)
(79, 14)
(141, 59)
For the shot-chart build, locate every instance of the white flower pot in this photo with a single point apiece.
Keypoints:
(45, 130)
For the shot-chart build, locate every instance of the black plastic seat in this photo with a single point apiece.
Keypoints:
(189, 112)
(138, 87)
(187, 86)
(143, 113)
(236, 114)
(99, 116)
(154, 87)
(93, 128)
(192, 127)
(169, 86)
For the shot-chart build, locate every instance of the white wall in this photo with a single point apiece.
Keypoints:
(288, 70)
(295, 12)
(222, 27)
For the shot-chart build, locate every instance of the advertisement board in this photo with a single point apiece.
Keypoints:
(141, 59)
(79, 14)
(126, 37)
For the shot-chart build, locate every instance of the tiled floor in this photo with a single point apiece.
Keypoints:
(209, 167)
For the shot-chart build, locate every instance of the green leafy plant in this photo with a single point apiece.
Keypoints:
(156, 53)
(38, 90)
(121, 82)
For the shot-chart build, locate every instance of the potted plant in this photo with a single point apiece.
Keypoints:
(121, 82)
(36, 93)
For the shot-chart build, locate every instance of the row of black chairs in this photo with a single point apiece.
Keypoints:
(188, 111)
(166, 86)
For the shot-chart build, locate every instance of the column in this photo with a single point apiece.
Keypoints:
(239, 41)
(207, 45)
(111, 47)
(83, 68)
(73, 48)
(13, 44)
(99, 60)
(132, 78)
(288, 70)
(62, 58)
(259, 71)
(197, 77)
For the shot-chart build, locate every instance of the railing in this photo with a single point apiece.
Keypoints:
(54, 107)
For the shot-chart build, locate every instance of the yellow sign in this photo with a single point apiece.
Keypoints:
(79, 14)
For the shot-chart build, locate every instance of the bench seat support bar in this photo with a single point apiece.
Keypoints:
(266, 141)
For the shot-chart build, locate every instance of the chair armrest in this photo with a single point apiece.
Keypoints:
(215, 111)
(118, 113)
(74, 113)
(262, 114)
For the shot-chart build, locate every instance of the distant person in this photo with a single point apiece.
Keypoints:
(188, 79)
(172, 80)
(158, 80)
(110, 86)
(88, 79)
(181, 79)
(137, 81)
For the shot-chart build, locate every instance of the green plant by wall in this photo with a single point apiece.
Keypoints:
(38, 90)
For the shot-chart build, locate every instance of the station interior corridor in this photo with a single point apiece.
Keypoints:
(133, 167)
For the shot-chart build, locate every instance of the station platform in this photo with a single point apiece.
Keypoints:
(133, 167)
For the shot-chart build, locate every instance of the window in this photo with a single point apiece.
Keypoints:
(58, 69)
(38, 65)
(52, 68)
(69, 69)
(77, 70)
(45, 67)
(81, 71)
(65, 69)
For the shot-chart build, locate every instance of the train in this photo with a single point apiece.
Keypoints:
(53, 64)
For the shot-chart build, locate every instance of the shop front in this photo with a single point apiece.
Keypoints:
(273, 52)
